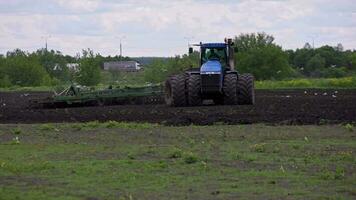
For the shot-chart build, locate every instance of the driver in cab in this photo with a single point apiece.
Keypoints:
(213, 55)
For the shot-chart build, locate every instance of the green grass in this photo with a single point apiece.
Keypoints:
(346, 82)
(117, 160)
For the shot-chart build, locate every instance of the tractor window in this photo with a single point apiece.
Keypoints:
(218, 54)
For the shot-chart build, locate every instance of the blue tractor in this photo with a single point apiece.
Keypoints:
(216, 80)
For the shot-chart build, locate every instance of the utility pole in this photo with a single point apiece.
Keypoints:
(120, 49)
(46, 37)
(313, 37)
(120, 39)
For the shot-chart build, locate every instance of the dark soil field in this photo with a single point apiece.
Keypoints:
(272, 107)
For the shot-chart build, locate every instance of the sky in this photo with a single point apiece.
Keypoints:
(165, 27)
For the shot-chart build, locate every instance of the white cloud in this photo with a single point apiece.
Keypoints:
(158, 28)
(80, 5)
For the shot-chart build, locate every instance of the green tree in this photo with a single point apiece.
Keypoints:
(246, 42)
(4, 78)
(54, 63)
(301, 57)
(315, 66)
(25, 70)
(257, 54)
(89, 69)
(160, 69)
(353, 60)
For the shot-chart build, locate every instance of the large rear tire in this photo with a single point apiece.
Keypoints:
(246, 89)
(230, 89)
(194, 90)
(175, 94)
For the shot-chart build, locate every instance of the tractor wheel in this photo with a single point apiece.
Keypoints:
(218, 101)
(194, 90)
(245, 90)
(175, 91)
(230, 90)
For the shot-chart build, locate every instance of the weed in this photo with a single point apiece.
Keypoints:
(331, 175)
(261, 147)
(282, 169)
(339, 173)
(127, 125)
(250, 157)
(162, 164)
(47, 127)
(77, 127)
(344, 155)
(17, 131)
(176, 153)
(15, 141)
(219, 123)
(111, 124)
(92, 124)
(349, 127)
(323, 121)
(296, 146)
(276, 149)
(307, 158)
(131, 156)
(238, 156)
(190, 158)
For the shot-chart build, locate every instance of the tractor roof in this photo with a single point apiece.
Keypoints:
(213, 45)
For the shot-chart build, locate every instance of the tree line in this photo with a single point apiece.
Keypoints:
(48, 68)
(255, 53)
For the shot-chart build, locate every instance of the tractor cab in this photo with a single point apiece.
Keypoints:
(213, 52)
(216, 60)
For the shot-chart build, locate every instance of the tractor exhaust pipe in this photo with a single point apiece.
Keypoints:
(230, 45)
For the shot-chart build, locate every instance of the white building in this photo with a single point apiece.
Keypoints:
(127, 66)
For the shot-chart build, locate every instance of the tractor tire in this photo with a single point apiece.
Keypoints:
(194, 90)
(218, 101)
(230, 89)
(246, 89)
(175, 93)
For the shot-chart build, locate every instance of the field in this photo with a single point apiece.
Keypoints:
(159, 152)
(307, 106)
(116, 160)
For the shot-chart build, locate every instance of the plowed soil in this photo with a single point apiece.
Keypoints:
(272, 107)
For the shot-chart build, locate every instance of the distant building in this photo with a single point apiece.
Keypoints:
(73, 66)
(127, 66)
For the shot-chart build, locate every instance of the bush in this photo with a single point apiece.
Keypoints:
(5, 81)
(334, 72)
(24, 70)
(160, 69)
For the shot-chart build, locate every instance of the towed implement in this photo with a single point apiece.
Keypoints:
(79, 96)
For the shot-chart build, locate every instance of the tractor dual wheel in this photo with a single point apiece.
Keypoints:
(245, 90)
(175, 94)
(230, 89)
(194, 90)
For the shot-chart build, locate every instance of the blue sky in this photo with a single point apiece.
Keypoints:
(163, 28)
